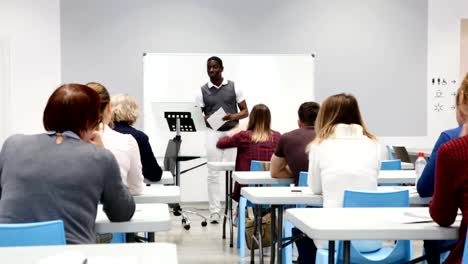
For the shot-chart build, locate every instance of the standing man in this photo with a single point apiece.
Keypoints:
(219, 93)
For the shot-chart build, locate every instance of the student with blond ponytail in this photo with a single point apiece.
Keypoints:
(258, 142)
(344, 155)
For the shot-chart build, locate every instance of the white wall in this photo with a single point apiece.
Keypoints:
(375, 49)
(31, 28)
(4, 88)
(443, 61)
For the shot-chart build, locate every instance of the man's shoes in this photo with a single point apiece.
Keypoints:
(214, 218)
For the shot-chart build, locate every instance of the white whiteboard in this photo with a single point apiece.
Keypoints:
(282, 82)
(5, 89)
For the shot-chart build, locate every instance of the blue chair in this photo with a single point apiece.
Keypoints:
(287, 256)
(118, 238)
(255, 165)
(394, 164)
(390, 152)
(465, 251)
(32, 234)
(390, 165)
(401, 252)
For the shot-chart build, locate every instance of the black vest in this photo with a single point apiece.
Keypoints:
(224, 97)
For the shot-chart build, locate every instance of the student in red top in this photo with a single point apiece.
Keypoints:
(451, 182)
(258, 142)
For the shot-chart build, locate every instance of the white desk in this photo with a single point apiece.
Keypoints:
(132, 253)
(367, 223)
(166, 179)
(222, 165)
(227, 167)
(396, 176)
(264, 177)
(147, 218)
(277, 197)
(158, 193)
(259, 178)
(407, 166)
(303, 195)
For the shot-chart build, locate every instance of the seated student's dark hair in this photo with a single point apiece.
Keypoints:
(72, 107)
(308, 112)
(217, 59)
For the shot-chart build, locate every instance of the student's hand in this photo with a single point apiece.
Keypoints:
(96, 139)
(228, 117)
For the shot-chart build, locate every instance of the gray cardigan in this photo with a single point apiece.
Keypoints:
(41, 181)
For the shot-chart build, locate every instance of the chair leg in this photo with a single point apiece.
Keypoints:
(241, 227)
(287, 256)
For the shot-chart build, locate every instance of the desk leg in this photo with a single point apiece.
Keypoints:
(253, 238)
(225, 206)
(331, 252)
(151, 237)
(177, 173)
(280, 234)
(231, 227)
(274, 238)
(346, 251)
(260, 235)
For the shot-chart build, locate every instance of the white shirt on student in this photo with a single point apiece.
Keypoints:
(126, 152)
(346, 160)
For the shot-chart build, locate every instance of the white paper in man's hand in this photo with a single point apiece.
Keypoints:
(216, 119)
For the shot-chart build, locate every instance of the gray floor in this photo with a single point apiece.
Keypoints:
(205, 244)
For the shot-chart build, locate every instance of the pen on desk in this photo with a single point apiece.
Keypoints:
(296, 190)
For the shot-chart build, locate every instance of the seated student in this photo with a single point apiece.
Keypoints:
(344, 155)
(258, 142)
(290, 158)
(124, 115)
(64, 173)
(425, 184)
(451, 181)
(124, 147)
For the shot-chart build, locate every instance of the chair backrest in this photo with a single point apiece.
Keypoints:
(32, 234)
(376, 199)
(390, 152)
(303, 175)
(401, 153)
(394, 164)
(373, 199)
(170, 157)
(256, 165)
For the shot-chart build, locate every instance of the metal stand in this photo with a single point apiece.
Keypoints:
(174, 120)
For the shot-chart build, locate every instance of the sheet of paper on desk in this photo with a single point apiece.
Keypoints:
(76, 257)
(421, 217)
(415, 217)
(69, 257)
(410, 190)
(114, 260)
(216, 119)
